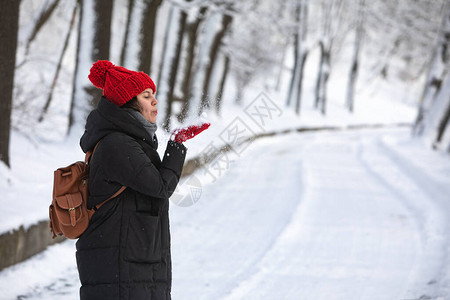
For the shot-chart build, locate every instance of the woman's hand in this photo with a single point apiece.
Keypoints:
(184, 134)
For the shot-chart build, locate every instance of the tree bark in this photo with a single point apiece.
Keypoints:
(322, 77)
(103, 12)
(214, 50)
(9, 25)
(148, 35)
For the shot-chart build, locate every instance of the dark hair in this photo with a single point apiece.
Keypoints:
(133, 104)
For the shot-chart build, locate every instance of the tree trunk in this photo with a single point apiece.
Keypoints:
(123, 53)
(186, 85)
(9, 25)
(355, 61)
(93, 45)
(214, 50)
(350, 99)
(436, 74)
(443, 123)
(294, 75)
(331, 20)
(301, 53)
(174, 69)
(319, 78)
(103, 13)
(322, 77)
(58, 67)
(301, 69)
(137, 53)
(326, 75)
(226, 68)
(280, 16)
(148, 35)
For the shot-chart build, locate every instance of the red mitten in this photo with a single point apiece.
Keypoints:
(184, 134)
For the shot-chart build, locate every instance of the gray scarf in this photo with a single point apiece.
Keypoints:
(149, 127)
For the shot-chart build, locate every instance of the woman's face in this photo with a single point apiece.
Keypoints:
(147, 102)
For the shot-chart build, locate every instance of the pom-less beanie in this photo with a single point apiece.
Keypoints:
(119, 84)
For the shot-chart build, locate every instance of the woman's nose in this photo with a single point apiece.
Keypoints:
(155, 101)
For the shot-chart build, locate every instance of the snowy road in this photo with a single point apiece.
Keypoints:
(332, 215)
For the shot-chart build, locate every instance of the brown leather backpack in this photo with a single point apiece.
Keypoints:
(69, 215)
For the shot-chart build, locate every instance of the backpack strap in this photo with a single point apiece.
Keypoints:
(89, 153)
(122, 188)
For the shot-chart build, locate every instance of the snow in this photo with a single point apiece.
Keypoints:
(347, 214)
(337, 214)
(331, 214)
(28, 191)
(358, 214)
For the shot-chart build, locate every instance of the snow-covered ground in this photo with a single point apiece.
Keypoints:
(349, 214)
(34, 158)
(356, 214)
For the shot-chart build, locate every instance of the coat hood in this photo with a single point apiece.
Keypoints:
(108, 118)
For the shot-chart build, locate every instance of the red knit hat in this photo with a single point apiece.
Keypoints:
(119, 84)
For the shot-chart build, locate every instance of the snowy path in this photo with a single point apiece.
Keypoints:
(338, 215)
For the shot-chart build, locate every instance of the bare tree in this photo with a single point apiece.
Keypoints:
(58, 67)
(399, 35)
(191, 32)
(214, 50)
(300, 54)
(9, 24)
(253, 44)
(169, 97)
(434, 112)
(249, 56)
(355, 60)
(331, 18)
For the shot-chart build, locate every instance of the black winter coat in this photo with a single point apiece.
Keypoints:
(125, 252)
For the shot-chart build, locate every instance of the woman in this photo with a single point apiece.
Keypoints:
(125, 252)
